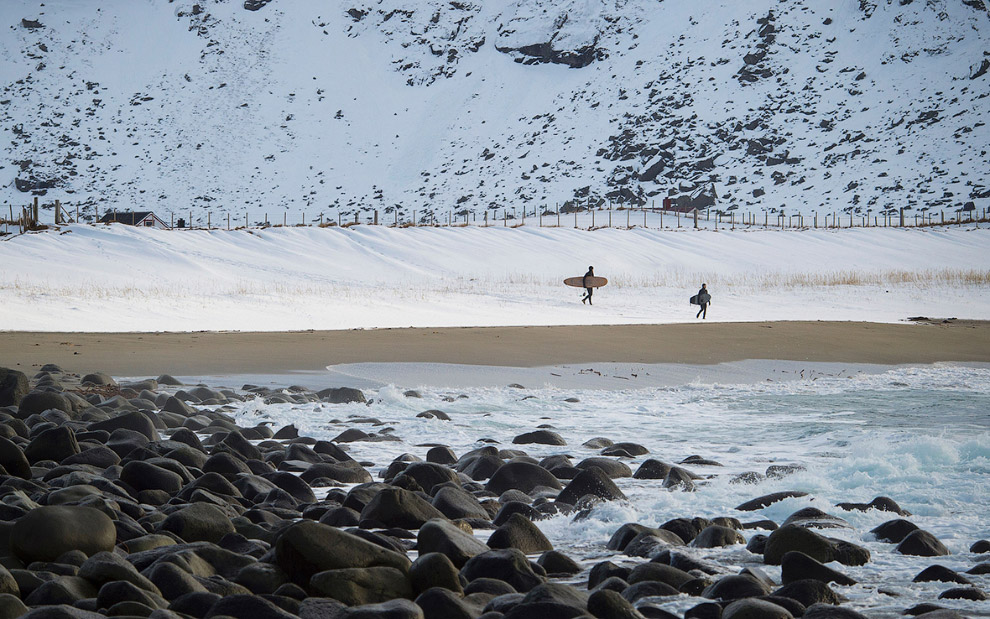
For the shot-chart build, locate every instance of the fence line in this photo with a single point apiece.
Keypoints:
(544, 217)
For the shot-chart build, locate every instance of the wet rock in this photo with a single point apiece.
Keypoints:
(652, 469)
(540, 437)
(479, 467)
(700, 461)
(104, 567)
(659, 572)
(814, 518)
(894, 531)
(557, 563)
(198, 522)
(261, 578)
(519, 532)
(396, 507)
(963, 593)
(13, 460)
(628, 532)
(822, 549)
(247, 606)
(8, 584)
(980, 546)
(769, 499)
(115, 592)
(11, 607)
(297, 487)
(508, 565)
(306, 547)
(979, 568)
(429, 475)
(607, 604)
(735, 587)
(593, 482)
(881, 503)
(649, 543)
(940, 573)
(705, 610)
(795, 566)
(679, 479)
(457, 503)
(46, 533)
(808, 592)
(753, 608)
(136, 421)
(13, 386)
(37, 402)
(365, 585)
(717, 536)
(142, 475)
(605, 570)
(53, 444)
(61, 590)
(441, 602)
(686, 528)
(921, 543)
(433, 569)
(612, 468)
(341, 395)
(347, 473)
(172, 581)
(551, 599)
(523, 476)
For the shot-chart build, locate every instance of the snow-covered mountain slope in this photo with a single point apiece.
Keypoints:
(441, 105)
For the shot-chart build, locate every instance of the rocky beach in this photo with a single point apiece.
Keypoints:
(154, 498)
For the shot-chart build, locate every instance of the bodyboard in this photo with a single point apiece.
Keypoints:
(593, 282)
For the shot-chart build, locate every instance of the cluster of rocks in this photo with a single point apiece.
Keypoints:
(147, 500)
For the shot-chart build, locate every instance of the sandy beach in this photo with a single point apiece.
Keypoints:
(136, 354)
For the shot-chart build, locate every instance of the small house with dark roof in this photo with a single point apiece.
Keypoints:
(144, 219)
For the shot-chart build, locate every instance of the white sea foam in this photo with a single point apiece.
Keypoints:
(918, 434)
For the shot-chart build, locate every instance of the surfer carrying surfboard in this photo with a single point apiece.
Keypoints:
(589, 281)
(587, 296)
(702, 299)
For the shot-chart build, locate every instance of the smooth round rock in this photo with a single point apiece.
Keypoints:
(46, 533)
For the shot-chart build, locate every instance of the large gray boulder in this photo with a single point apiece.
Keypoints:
(450, 540)
(13, 386)
(509, 565)
(818, 547)
(46, 533)
(13, 460)
(364, 585)
(520, 532)
(306, 548)
(396, 507)
(522, 476)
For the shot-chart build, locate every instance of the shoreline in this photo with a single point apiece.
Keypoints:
(235, 352)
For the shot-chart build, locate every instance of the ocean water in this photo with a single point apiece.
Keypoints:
(917, 434)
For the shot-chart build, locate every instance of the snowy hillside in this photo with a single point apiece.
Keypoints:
(125, 278)
(423, 105)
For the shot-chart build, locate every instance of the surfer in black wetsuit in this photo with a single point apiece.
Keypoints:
(587, 296)
(703, 293)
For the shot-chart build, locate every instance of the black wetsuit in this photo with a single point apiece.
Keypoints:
(703, 312)
(587, 296)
